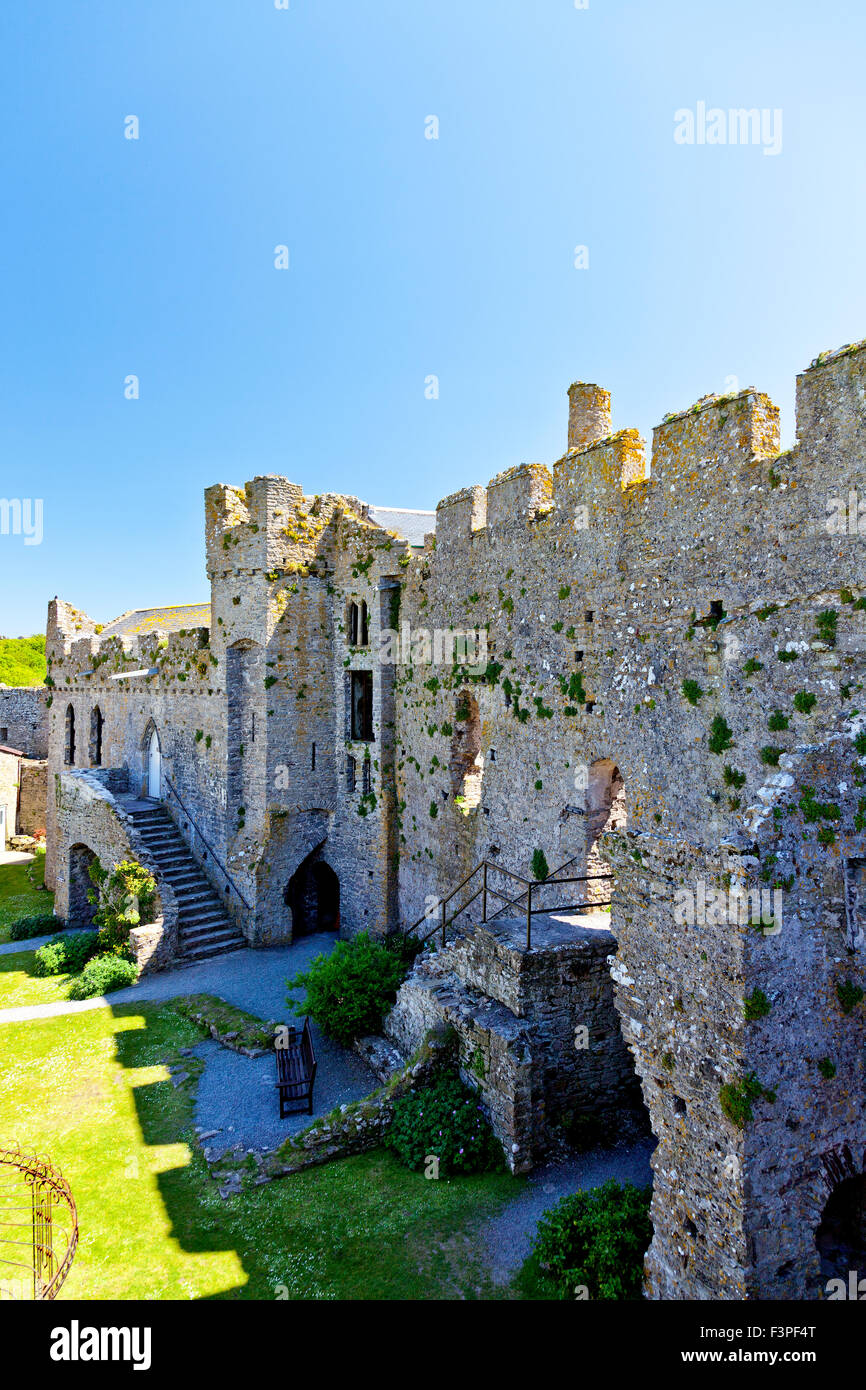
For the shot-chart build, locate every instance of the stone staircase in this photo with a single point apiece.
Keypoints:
(204, 928)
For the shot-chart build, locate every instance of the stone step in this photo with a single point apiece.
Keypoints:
(201, 921)
(208, 935)
(198, 953)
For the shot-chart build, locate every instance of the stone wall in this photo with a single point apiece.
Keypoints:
(24, 717)
(32, 799)
(538, 1031)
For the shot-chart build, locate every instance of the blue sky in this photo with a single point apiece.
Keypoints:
(409, 257)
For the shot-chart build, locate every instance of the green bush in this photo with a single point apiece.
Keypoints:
(596, 1239)
(65, 955)
(443, 1120)
(102, 974)
(27, 927)
(349, 990)
(539, 864)
(721, 736)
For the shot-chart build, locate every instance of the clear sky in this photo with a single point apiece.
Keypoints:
(409, 257)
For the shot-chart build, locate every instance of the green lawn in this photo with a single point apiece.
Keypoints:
(21, 896)
(19, 987)
(91, 1090)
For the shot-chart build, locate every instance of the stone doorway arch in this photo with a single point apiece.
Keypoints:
(312, 895)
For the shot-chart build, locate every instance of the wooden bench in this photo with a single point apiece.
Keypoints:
(296, 1071)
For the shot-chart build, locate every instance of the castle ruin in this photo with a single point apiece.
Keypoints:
(659, 669)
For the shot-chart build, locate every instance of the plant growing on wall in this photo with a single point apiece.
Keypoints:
(123, 897)
(539, 865)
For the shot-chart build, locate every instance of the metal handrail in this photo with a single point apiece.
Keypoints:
(223, 870)
(530, 884)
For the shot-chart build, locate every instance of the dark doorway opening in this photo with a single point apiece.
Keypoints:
(841, 1236)
(312, 895)
(80, 909)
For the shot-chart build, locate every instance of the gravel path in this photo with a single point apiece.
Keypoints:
(507, 1237)
(236, 1094)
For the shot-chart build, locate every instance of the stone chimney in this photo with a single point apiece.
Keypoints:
(588, 414)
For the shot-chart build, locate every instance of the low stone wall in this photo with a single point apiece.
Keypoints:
(494, 1048)
(90, 819)
(539, 1033)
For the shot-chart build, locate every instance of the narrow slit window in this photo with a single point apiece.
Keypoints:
(361, 706)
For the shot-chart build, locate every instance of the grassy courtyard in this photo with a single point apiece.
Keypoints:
(19, 986)
(92, 1091)
(22, 894)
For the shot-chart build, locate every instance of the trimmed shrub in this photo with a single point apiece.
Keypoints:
(540, 869)
(27, 927)
(65, 955)
(102, 974)
(443, 1120)
(348, 991)
(596, 1239)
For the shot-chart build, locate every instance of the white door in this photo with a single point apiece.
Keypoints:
(153, 760)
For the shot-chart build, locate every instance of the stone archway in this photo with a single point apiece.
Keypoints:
(312, 895)
(841, 1233)
(80, 910)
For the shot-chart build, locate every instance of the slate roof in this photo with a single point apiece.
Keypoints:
(171, 619)
(413, 526)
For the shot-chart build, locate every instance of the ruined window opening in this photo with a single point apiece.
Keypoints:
(589, 706)
(96, 722)
(358, 625)
(366, 778)
(69, 742)
(605, 810)
(351, 774)
(466, 761)
(313, 758)
(361, 706)
(4, 735)
(589, 615)
(578, 656)
(493, 755)
(253, 727)
(716, 609)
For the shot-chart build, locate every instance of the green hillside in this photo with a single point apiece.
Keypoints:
(22, 660)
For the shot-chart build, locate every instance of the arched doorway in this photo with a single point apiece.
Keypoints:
(312, 895)
(80, 910)
(154, 766)
(841, 1236)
